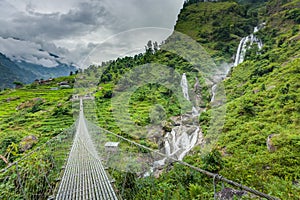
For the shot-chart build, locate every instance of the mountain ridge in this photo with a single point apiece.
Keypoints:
(26, 72)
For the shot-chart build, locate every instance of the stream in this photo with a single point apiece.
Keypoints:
(187, 133)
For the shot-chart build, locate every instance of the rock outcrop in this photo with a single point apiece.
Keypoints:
(28, 142)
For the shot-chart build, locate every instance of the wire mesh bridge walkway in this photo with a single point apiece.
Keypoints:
(84, 176)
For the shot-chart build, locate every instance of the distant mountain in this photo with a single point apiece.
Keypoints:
(25, 72)
(11, 72)
(40, 71)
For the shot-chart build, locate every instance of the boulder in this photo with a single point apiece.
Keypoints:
(230, 193)
(27, 143)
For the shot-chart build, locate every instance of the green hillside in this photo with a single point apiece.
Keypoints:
(10, 72)
(262, 99)
(33, 110)
(218, 26)
(25, 73)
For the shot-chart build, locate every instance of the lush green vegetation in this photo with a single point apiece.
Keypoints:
(218, 26)
(148, 96)
(37, 110)
(45, 112)
(37, 175)
(262, 99)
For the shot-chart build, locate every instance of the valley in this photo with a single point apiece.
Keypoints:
(220, 94)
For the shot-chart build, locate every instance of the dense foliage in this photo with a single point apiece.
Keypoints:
(218, 26)
(144, 99)
(33, 110)
(262, 105)
(263, 101)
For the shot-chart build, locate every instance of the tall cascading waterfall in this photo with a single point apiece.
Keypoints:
(185, 87)
(185, 135)
(213, 91)
(246, 43)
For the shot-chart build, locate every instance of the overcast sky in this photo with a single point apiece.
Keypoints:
(82, 31)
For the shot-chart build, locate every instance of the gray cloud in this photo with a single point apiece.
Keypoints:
(72, 28)
(77, 22)
(25, 50)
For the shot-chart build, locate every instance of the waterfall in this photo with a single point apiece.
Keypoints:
(184, 137)
(246, 43)
(195, 112)
(167, 148)
(213, 89)
(185, 91)
(219, 75)
(185, 87)
(190, 143)
(238, 53)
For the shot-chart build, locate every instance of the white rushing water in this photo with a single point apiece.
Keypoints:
(246, 43)
(183, 137)
(187, 133)
(185, 87)
(195, 112)
(213, 89)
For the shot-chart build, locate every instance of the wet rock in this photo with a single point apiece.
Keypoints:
(191, 130)
(167, 126)
(28, 142)
(230, 193)
(189, 121)
(155, 133)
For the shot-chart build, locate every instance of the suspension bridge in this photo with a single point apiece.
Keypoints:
(37, 174)
(84, 176)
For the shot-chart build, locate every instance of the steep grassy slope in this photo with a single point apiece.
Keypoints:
(263, 100)
(33, 110)
(144, 99)
(36, 111)
(217, 26)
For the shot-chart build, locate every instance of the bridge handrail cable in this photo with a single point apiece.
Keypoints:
(215, 176)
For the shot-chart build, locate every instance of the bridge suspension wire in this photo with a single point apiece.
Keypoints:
(26, 179)
(35, 174)
(57, 137)
(84, 176)
(216, 177)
